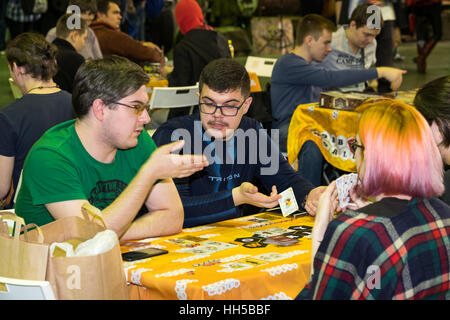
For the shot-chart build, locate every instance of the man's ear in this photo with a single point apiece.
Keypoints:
(247, 105)
(352, 24)
(308, 39)
(98, 108)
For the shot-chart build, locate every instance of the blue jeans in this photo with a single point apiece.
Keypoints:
(310, 162)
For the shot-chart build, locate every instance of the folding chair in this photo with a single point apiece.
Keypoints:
(165, 98)
(19, 289)
(261, 66)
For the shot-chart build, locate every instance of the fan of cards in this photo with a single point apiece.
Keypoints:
(343, 186)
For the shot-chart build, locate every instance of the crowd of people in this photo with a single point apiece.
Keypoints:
(78, 135)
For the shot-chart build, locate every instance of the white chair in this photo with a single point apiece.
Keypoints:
(19, 289)
(261, 66)
(15, 89)
(165, 98)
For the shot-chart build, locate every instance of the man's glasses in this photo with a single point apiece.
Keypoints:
(354, 146)
(227, 111)
(137, 109)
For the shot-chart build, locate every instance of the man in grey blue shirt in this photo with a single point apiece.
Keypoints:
(353, 46)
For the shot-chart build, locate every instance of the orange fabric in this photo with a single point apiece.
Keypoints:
(255, 85)
(155, 82)
(330, 129)
(194, 269)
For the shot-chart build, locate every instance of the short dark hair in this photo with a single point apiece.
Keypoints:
(109, 79)
(360, 16)
(313, 24)
(103, 5)
(433, 101)
(222, 75)
(62, 29)
(34, 53)
(89, 6)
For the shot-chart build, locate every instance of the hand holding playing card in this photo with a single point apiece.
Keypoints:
(324, 215)
(247, 193)
(312, 200)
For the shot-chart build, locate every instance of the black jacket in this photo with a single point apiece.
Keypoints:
(69, 60)
(196, 49)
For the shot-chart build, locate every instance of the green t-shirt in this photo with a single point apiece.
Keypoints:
(58, 168)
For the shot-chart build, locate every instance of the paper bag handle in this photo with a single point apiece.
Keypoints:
(19, 222)
(88, 209)
(38, 229)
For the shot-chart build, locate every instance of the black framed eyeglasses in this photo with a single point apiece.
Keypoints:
(137, 109)
(354, 146)
(227, 111)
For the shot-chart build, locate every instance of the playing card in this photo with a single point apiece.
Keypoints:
(271, 232)
(271, 256)
(281, 240)
(288, 203)
(343, 186)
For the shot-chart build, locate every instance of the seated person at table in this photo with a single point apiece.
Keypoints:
(69, 43)
(396, 246)
(113, 41)
(88, 9)
(32, 65)
(353, 46)
(433, 101)
(295, 80)
(238, 149)
(104, 157)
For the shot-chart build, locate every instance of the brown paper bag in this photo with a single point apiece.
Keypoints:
(22, 256)
(88, 277)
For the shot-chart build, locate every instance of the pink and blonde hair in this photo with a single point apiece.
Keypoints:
(400, 154)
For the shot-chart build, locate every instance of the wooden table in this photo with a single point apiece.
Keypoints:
(226, 260)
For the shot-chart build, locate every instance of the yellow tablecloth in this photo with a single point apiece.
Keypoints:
(330, 129)
(225, 260)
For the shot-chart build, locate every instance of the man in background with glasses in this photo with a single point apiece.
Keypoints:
(239, 151)
(106, 157)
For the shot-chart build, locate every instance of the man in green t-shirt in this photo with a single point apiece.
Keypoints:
(106, 157)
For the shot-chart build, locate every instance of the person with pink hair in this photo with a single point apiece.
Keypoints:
(394, 241)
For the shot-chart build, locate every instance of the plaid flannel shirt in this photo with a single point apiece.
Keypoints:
(14, 12)
(405, 256)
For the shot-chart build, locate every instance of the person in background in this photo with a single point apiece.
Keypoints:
(32, 65)
(295, 80)
(427, 12)
(395, 246)
(69, 43)
(106, 158)
(88, 9)
(17, 21)
(353, 46)
(115, 42)
(237, 163)
(2, 27)
(433, 101)
(200, 45)
(385, 39)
